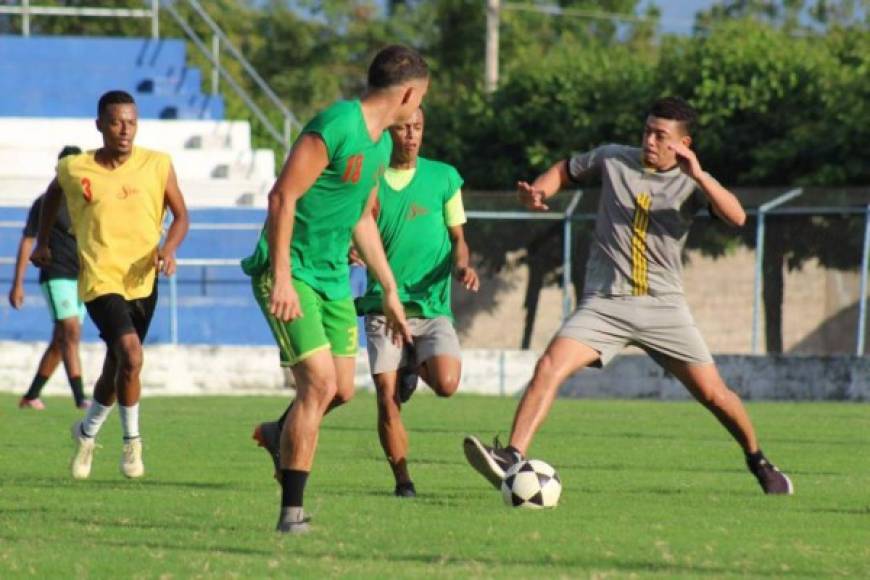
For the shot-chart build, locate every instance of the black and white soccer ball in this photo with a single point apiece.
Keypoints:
(531, 484)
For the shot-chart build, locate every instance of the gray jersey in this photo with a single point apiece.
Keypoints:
(643, 220)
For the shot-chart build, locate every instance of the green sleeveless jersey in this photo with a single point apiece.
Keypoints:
(328, 212)
(417, 242)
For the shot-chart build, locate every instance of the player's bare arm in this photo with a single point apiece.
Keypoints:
(533, 196)
(367, 241)
(178, 229)
(462, 269)
(16, 292)
(307, 160)
(724, 203)
(41, 256)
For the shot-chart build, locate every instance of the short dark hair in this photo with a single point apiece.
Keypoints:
(68, 150)
(395, 65)
(675, 109)
(114, 98)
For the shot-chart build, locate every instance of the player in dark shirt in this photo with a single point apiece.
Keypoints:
(59, 283)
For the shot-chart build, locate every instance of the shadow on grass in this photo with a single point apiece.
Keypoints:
(546, 567)
(205, 550)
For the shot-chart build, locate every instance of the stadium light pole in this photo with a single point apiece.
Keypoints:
(490, 77)
(759, 258)
(862, 299)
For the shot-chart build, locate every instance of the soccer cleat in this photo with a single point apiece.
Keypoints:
(771, 479)
(268, 436)
(293, 521)
(131, 459)
(405, 489)
(490, 462)
(84, 455)
(34, 404)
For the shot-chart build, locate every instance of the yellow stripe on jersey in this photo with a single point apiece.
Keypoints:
(639, 262)
(454, 211)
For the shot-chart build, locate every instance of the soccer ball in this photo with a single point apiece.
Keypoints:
(531, 484)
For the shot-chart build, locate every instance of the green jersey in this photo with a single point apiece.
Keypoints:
(413, 225)
(329, 210)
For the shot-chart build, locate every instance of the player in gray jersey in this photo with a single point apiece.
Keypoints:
(633, 292)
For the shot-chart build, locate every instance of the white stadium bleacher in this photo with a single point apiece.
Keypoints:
(213, 159)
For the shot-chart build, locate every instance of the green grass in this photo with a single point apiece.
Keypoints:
(650, 489)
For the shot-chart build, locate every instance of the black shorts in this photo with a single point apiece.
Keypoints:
(114, 316)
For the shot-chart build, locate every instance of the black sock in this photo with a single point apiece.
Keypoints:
(515, 452)
(292, 487)
(35, 387)
(75, 383)
(754, 459)
(283, 416)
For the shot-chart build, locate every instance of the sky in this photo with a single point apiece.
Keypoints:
(678, 16)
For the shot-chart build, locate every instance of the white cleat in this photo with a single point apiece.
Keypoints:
(131, 459)
(84, 455)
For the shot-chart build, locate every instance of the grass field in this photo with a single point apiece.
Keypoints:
(650, 489)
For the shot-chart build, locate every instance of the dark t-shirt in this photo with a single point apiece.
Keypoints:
(64, 255)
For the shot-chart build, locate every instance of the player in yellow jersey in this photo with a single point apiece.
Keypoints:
(117, 197)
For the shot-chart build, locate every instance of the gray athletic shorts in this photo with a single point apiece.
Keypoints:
(432, 337)
(661, 325)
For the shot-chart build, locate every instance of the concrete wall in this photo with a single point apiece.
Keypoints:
(191, 370)
(819, 309)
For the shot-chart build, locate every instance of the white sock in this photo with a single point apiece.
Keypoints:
(130, 421)
(94, 418)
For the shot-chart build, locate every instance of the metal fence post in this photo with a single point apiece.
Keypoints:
(567, 247)
(25, 17)
(215, 67)
(759, 259)
(155, 19)
(173, 309)
(862, 299)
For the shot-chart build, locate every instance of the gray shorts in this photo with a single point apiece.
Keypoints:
(432, 337)
(661, 325)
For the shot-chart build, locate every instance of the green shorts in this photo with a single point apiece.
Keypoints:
(62, 297)
(324, 323)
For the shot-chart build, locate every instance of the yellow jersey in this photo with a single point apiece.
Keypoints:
(117, 218)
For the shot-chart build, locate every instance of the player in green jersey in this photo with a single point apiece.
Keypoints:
(321, 200)
(420, 217)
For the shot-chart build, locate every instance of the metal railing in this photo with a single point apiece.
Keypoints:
(27, 11)
(569, 218)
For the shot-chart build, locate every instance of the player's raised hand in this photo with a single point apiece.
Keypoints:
(397, 325)
(166, 262)
(467, 276)
(16, 296)
(284, 301)
(531, 197)
(687, 160)
(41, 256)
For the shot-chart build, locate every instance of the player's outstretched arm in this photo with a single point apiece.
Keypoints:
(16, 292)
(724, 203)
(533, 196)
(41, 256)
(179, 227)
(462, 269)
(307, 160)
(368, 243)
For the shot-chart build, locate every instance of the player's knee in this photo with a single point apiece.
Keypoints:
(132, 359)
(446, 386)
(71, 334)
(545, 367)
(322, 390)
(342, 396)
